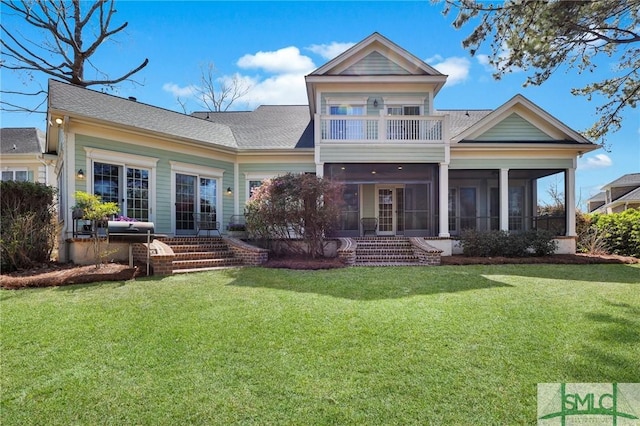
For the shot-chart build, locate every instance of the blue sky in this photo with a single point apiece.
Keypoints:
(272, 45)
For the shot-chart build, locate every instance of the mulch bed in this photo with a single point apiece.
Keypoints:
(55, 274)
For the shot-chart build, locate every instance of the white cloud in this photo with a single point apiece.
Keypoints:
(330, 51)
(502, 57)
(598, 161)
(434, 58)
(282, 61)
(283, 89)
(181, 92)
(456, 68)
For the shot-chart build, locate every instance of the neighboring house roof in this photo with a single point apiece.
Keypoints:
(268, 126)
(600, 196)
(21, 140)
(630, 179)
(633, 196)
(90, 104)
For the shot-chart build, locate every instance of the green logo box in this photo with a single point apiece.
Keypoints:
(568, 404)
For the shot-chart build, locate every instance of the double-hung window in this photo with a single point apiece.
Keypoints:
(15, 175)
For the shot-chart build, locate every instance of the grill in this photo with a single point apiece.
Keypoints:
(130, 232)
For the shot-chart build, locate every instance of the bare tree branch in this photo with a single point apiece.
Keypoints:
(61, 54)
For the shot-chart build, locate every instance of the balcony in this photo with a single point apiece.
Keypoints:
(394, 129)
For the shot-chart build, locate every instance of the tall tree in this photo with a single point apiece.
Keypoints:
(542, 36)
(73, 32)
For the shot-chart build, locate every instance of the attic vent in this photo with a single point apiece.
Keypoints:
(133, 98)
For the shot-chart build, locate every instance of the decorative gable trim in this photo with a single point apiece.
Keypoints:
(527, 110)
(380, 44)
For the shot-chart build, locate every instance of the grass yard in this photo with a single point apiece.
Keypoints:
(441, 345)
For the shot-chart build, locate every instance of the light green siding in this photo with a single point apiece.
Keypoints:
(163, 174)
(375, 64)
(379, 96)
(514, 128)
(391, 152)
(368, 200)
(268, 168)
(508, 163)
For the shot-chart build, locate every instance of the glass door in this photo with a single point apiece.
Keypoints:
(390, 208)
(185, 204)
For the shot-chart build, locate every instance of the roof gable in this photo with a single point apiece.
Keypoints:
(359, 58)
(514, 128)
(523, 120)
(375, 64)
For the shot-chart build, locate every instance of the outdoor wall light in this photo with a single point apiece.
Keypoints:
(59, 121)
(80, 174)
(375, 103)
(229, 191)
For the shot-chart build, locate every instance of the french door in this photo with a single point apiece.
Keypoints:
(390, 210)
(124, 185)
(194, 195)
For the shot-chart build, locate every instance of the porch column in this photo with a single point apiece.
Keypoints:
(570, 200)
(443, 207)
(504, 199)
(320, 170)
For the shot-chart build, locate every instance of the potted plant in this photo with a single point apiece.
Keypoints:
(237, 230)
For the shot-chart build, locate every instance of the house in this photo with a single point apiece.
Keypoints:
(371, 123)
(617, 196)
(22, 156)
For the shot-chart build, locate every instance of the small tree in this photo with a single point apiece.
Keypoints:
(96, 211)
(295, 206)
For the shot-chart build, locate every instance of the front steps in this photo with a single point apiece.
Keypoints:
(194, 254)
(385, 251)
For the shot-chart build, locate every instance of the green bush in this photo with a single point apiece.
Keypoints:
(621, 231)
(503, 243)
(28, 224)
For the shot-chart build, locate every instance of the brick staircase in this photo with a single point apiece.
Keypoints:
(193, 254)
(385, 251)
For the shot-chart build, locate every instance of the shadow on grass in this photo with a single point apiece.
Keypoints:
(364, 283)
(605, 273)
(609, 350)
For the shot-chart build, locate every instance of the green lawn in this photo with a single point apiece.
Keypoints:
(439, 345)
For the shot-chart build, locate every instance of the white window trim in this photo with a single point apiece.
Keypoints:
(125, 160)
(347, 101)
(178, 167)
(193, 169)
(261, 176)
(16, 169)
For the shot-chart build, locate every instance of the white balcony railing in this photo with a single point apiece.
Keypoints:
(427, 129)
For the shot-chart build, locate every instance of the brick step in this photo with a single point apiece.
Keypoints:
(194, 255)
(212, 268)
(386, 258)
(181, 265)
(192, 240)
(188, 248)
(387, 264)
(380, 250)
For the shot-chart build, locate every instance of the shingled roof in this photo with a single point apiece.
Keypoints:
(268, 126)
(82, 102)
(21, 140)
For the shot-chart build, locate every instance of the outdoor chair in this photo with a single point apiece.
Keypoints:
(369, 224)
(206, 222)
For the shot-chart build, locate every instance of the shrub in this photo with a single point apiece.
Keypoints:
(295, 206)
(28, 224)
(621, 231)
(503, 243)
(95, 210)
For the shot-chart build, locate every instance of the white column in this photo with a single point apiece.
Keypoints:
(320, 169)
(570, 200)
(236, 188)
(504, 199)
(443, 212)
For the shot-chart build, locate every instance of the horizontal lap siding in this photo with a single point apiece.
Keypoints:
(375, 64)
(163, 173)
(514, 128)
(368, 153)
(511, 163)
(268, 168)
